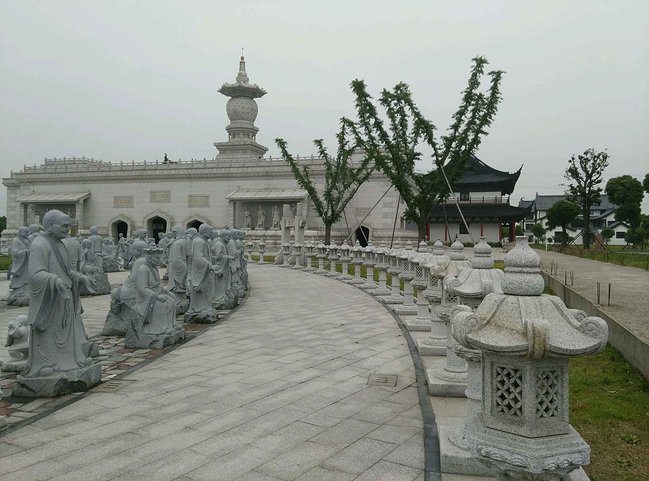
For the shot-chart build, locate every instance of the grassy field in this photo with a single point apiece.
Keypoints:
(616, 255)
(609, 407)
(5, 262)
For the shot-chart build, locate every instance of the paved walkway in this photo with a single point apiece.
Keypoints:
(629, 288)
(278, 391)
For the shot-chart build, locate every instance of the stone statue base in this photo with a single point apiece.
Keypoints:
(417, 324)
(19, 297)
(136, 339)
(102, 286)
(182, 302)
(58, 383)
(14, 365)
(203, 317)
(119, 317)
(110, 264)
(90, 349)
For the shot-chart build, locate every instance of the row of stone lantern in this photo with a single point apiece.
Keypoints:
(504, 346)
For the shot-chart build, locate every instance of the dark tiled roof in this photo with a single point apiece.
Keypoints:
(544, 202)
(479, 177)
(484, 212)
(525, 203)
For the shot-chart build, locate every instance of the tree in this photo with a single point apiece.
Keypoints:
(342, 178)
(607, 234)
(395, 147)
(3, 223)
(627, 193)
(645, 183)
(585, 174)
(538, 231)
(562, 214)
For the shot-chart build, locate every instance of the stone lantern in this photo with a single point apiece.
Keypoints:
(322, 255)
(469, 288)
(286, 252)
(420, 282)
(262, 249)
(435, 344)
(381, 263)
(526, 339)
(394, 268)
(370, 262)
(407, 274)
(333, 259)
(344, 259)
(308, 255)
(297, 253)
(357, 261)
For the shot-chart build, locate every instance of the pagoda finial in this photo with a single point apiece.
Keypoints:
(242, 76)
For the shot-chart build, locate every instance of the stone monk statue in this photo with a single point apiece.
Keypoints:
(57, 364)
(19, 284)
(200, 279)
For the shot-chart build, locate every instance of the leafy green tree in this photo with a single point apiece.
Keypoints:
(3, 223)
(562, 214)
(607, 234)
(538, 231)
(627, 193)
(585, 173)
(342, 178)
(395, 145)
(645, 183)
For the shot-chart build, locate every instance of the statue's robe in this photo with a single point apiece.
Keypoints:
(178, 265)
(199, 278)
(54, 343)
(235, 266)
(222, 276)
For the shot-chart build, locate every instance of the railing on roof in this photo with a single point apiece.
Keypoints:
(477, 199)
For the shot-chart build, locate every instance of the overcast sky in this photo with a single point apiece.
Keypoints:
(126, 80)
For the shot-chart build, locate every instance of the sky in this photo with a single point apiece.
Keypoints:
(126, 80)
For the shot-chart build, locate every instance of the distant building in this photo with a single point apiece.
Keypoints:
(602, 216)
(236, 186)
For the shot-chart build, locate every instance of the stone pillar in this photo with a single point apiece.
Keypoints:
(344, 258)
(382, 265)
(370, 262)
(406, 274)
(262, 250)
(395, 296)
(79, 216)
(333, 258)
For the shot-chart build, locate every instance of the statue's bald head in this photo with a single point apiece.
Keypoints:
(205, 229)
(56, 223)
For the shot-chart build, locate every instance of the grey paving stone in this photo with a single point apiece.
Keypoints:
(386, 471)
(344, 433)
(411, 453)
(293, 463)
(360, 456)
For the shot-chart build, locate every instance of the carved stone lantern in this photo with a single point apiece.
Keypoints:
(394, 268)
(249, 246)
(322, 255)
(407, 274)
(370, 262)
(286, 252)
(357, 260)
(526, 339)
(420, 282)
(470, 287)
(297, 253)
(333, 259)
(435, 344)
(344, 259)
(309, 247)
(262, 249)
(381, 263)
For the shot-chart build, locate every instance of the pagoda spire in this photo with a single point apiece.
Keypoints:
(242, 76)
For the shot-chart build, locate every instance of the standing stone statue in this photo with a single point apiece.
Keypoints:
(246, 218)
(222, 296)
(261, 218)
(111, 263)
(177, 259)
(238, 236)
(276, 219)
(19, 283)
(34, 231)
(96, 240)
(235, 262)
(152, 324)
(57, 364)
(137, 247)
(199, 279)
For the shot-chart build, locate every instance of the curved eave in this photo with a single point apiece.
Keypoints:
(481, 213)
(242, 90)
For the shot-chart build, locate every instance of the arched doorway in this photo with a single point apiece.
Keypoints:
(155, 226)
(194, 223)
(363, 235)
(117, 228)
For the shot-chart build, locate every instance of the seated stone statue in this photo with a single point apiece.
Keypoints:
(92, 265)
(18, 344)
(57, 364)
(19, 272)
(111, 260)
(145, 309)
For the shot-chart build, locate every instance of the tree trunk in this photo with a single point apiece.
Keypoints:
(327, 240)
(421, 232)
(585, 233)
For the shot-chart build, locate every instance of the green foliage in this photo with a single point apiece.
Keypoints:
(394, 146)
(645, 183)
(562, 214)
(519, 230)
(5, 263)
(539, 231)
(627, 192)
(607, 234)
(3, 223)
(585, 173)
(342, 177)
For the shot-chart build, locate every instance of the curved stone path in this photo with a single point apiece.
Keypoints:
(277, 391)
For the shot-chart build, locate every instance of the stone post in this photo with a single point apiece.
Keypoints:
(322, 255)
(286, 253)
(422, 321)
(344, 258)
(357, 260)
(407, 274)
(381, 264)
(308, 255)
(395, 296)
(297, 253)
(370, 262)
(262, 249)
(526, 339)
(333, 257)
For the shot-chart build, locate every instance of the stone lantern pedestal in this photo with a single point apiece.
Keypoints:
(297, 253)
(262, 249)
(357, 261)
(381, 264)
(420, 282)
(286, 252)
(526, 339)
(333, 258)
(370, 262)
(407, 274)
(308, 255)
(394, 268)
(322, 255)
(344, 259)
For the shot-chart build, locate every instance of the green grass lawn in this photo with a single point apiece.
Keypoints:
(609, 407)
(616, 255)
(5, 262)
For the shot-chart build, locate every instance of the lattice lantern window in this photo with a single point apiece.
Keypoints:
(524, 396)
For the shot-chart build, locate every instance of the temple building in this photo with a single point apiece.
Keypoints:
(239, 188)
